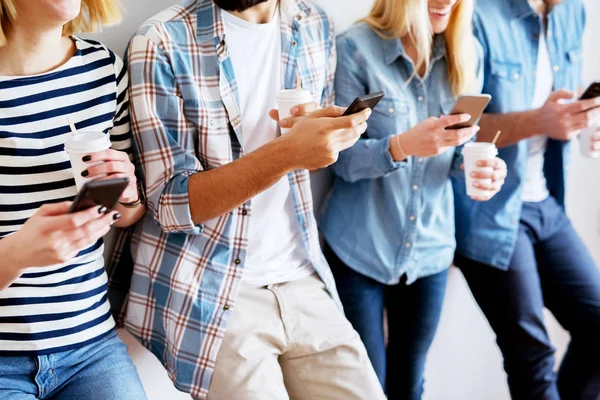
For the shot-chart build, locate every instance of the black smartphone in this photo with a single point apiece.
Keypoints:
(591, 92)
(472, 104)
(99, 193)
(363, 102)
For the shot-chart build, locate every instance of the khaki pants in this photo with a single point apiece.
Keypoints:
(291, 341)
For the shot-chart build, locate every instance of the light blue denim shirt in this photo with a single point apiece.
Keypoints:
(508, 31)
(384, 218)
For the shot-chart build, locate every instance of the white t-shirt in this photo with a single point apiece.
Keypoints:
(535, 188)
(276, 251)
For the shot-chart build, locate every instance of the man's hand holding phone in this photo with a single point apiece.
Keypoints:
(316, 139)
(564, 121)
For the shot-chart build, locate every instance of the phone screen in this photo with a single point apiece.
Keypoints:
(99, 193)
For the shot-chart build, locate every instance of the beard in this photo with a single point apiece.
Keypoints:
(237, 5)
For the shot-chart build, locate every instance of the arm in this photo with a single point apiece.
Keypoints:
(181, 195)
(50, 237)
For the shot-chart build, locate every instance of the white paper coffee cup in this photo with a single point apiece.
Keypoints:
(288, 99)
(80, 145)
(472, 153)
(585, 142)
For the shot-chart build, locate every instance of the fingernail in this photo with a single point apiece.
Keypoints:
(481, 163)
(295, 110)
(101, 210)
(86, 158)
(283, 123)
(116, 216)
(369, 112)
(85, 173)
(466, 117)
(473, 175)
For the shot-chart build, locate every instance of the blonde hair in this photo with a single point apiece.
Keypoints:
(394, 19)
(93, 16)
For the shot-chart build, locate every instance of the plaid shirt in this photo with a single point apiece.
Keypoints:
(185, 119)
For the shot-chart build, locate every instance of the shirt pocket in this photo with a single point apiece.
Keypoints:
(506, 72)
(391, 116)
(213, 144)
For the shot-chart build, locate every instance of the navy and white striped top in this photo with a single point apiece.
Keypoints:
(56, 308)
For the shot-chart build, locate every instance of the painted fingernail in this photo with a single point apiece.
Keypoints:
(85, 173)
(481, 163)
(86, 158)
(101, 210)
(295, 110)
(283, 123)
(116, 216)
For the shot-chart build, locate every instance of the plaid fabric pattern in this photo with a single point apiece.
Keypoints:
(185, 119)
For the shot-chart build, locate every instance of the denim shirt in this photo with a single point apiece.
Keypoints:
(508, 31)
(384, 218)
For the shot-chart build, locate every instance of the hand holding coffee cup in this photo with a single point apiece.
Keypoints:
(110, 164)
(484, 172)
(589, 142)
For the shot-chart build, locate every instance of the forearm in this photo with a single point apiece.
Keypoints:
(129, 216)
(218, 191)
(11, 267)
(515, 127)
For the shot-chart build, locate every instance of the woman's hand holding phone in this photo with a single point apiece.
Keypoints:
(430, 138)
(53, 236)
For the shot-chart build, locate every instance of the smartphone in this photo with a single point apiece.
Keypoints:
(99, 193)
(472, 104)
(363, 102)
(591, 92)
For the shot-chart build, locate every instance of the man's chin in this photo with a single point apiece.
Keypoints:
(238, 5)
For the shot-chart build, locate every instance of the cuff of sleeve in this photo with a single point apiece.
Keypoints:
(174, 211)
(383, 159)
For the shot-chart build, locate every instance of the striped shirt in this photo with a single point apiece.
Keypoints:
(185, 118)
(60, 307)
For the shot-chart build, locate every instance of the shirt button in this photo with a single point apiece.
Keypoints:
(420, 98)
(415, 187)
(516, 76)
(294, 43)
(412, 217)
(556, 68)
(408, 245)
(420, 159)
(51, 371)
(226, 307)
(236, 121)
(238, 261)
(299, 17)
(244, 212)
(391, 110)
(549, 33)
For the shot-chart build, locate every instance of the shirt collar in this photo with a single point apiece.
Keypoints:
(210, 22)
(393, 48)
(521, 9)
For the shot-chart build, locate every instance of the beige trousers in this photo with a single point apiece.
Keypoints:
(291, 341)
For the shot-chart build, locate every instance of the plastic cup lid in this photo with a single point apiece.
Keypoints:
(87, 142)
(293, 94)
(480, 147)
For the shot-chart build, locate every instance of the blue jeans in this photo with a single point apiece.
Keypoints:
(552, 268)
(413, 315)
(99, 371)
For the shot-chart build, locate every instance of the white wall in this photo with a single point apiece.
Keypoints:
(464, 363)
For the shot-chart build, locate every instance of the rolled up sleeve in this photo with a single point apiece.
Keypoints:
(163, 137)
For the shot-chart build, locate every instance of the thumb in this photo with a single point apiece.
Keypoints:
(327, 112)
(53, 209)
(561, 94)
(274, 114)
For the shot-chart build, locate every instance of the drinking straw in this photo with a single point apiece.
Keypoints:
(496, 138)
(72, 125)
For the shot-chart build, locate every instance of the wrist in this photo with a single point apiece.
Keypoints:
(286, 154)
(397, 149)
(11, 255)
